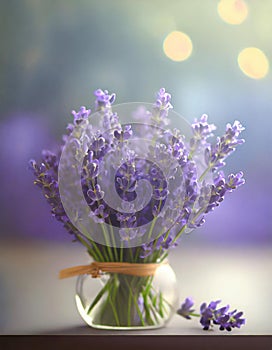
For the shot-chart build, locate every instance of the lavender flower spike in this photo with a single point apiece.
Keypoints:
(234, 181)
(83, 113)
(225, 145)
(162, 106)
(103, 99)
(95, 194)
(202, 130)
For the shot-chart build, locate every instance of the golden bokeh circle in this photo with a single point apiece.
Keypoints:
(253, 62)
(177, 46)
(233, 11)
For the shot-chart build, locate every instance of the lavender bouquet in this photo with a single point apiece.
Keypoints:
(127, 182)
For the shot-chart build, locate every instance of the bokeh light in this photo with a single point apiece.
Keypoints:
(177, 46)
(233, 11)
(253, 62)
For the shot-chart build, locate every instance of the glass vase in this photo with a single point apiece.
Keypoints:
(126, 302)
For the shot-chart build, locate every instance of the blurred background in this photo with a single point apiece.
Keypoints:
(214, 57)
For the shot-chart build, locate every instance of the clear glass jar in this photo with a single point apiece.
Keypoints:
(118, 301)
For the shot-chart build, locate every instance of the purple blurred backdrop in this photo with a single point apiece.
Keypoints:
(60, 51)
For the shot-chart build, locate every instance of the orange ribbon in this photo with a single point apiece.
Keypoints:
(96, 268)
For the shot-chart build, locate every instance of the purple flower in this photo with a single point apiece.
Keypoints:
(46, 174)
(222, 317)
(93, 168)
(124, 134)
(214, 194)
(146, 250)
(201, 132)
(207, 313)
(210, 315)
(235, 320)
(235, 181)
(163, 100)
(99, 147)
(155, 211)
(100, 211)
(127, 234)
(224, 146)
(82, 114)
(186, 308)
(103, 99)
(99, 214)
(127, 220)
(162, 243)
(95, 193)
(160, 193)
(173, 172)
(162, 107)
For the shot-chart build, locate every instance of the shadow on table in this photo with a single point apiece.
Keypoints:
(85, 330)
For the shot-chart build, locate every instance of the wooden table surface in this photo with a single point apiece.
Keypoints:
(34, 301)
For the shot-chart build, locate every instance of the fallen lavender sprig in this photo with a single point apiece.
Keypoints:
(211, 315)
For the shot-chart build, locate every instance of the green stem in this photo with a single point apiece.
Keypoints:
(131, 254)
(135, 299)
(129, 308)
(179, 234)
(85, 233)
(121, 252)
(113, 242)
(137, 255)
(105, 234)
(89, 248)
(164, 256)
(205, 172)
(114, 312)
(152, 227)
(154, 311)
(98, 297)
